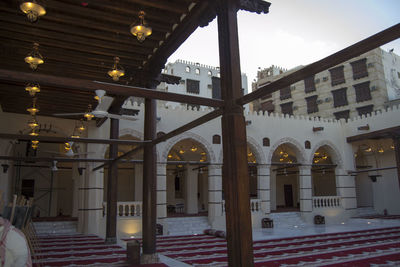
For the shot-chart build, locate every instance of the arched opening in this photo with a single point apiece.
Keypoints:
(285, 189)
(323, 173)
(187, 179)
(252, 165)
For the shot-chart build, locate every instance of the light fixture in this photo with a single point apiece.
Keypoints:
(141, 30)
(392, 147)
(33, 133)
(35, 144)
(250, 154)
(281, 159)
(169, 156)
(181, 151)
(33, 109)
(33, 123)
(88, 114)
(33, 10)
(368, 149)
(203, 153)
(74, 135)
(316, 153)
(32, 88)
(324, 157)
(99, 95)
(193, 148)
(81, 126)
(34, 58)
(381, 150)
(285, 155)
(117, 71)
(67, 146)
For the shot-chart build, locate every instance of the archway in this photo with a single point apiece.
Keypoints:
(285, 189)
(323, 172)
(187, 178)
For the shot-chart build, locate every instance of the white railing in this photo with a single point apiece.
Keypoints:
(126, 209)
(255, 206)
(326, 202)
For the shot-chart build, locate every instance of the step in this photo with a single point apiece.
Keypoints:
(58, 227)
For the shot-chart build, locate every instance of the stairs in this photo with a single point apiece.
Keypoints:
(55, 227)
(186, 225)
(287, 219)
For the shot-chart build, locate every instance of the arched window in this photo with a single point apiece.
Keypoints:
(197, 71)
(187, 69)
(216, 139)
(307, 144)
(265, 141)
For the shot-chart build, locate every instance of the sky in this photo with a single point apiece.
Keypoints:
(295, 32)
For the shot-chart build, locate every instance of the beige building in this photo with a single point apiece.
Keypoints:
(356, 87)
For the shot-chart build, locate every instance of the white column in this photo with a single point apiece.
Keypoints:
(161, 191)
(75, 189)
(273, 190)
(191, 189)
(263, 188)
(93, 194)
(138, 182)
(214, 191)
(346, 189)
(305, 189)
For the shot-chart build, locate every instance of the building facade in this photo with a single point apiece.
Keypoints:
(356, 87)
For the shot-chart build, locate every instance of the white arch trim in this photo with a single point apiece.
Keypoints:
(300, 153)
(336, 156)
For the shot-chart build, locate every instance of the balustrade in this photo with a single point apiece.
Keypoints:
(255, 205)
(326, 202)
(126, 209)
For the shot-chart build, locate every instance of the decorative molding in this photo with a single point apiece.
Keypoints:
(257, 149)
(255, 6)
(170, 79)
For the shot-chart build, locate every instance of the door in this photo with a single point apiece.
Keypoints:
(288, 195)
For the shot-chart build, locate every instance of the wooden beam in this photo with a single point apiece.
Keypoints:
(350, 52)
(56, 139)
(10, 76)
(384, 133)
(112, 187)
(47, 159)
(235, 175)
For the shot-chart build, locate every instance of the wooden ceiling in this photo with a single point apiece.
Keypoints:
(79, 39)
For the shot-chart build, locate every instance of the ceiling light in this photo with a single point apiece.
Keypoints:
(193, 148)
(33, 133)
(141, 30)
(34, 58)
(32, 88)
(369, 149)
(392, 147)
(117, 71)
(181, 151)
(33, 123)
(81, 126)
(169, 156)
(380, 150)
(35, 144)
(88, 114)
(33, 109)
(75, 136)
(33, 10)
(99, 95)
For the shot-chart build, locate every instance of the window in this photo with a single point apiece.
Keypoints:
(187, 69)
(339, 97)
(363, 93)
(172, 71)
(209, 73)
(365, 110)
(287, 108)
(359, 68)
(216, 139)
(267, 106)
(312, 105)
(197, 71)
(192, 86)
(216, 87)
(285, 93)
(309, 84)
(265, 141)
(266, 97)
(337, 75)
(342, 114)
(307, 144)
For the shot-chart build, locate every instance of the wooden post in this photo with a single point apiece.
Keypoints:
(235, 170)
(149, 182)
(112, 186)
(396, 143)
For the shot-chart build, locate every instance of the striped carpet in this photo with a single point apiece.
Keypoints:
(374, 247)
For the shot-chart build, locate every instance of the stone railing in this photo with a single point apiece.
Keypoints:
(326, 202)
(255, 206)
(126, 209)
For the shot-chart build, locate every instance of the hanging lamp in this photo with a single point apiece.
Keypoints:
(141, 30)
(88, 114)
(33, 9)
(33, 109)
(33, 133)
(35, 144)
(32, 88)
(34, 58)
(32, 123)
(117, 71)
(81, 126)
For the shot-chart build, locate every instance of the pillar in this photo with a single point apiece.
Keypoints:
(161, 191)
(214, 192)
(263, 188)
(273, 190)
(346, 189)
(138, 182)
(396, 144)
(305, 187)
(191, 189)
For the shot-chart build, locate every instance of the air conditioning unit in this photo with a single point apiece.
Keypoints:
(328, 99)
(319, 101)
(316, 81)
(295, 108)
(373, 88)
(182, 81)
(370, 65)
(325, 79)
(292, 87)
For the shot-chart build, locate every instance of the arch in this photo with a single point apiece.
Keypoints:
(132, 132)
(300, 152)
(333, 150)
(257, 149)
(188, 135)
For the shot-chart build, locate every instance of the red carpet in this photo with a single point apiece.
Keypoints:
(359, 248)
(80, 250)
